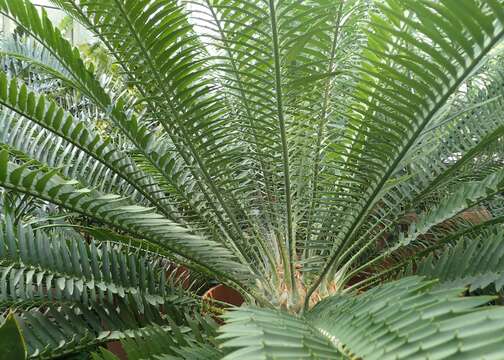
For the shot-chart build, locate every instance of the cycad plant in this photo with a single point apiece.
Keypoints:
(337, 162)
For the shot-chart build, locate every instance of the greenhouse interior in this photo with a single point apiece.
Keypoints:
(251, 179)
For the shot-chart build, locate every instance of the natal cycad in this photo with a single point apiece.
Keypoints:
(337, 162)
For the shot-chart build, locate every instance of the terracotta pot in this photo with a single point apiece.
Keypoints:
(224, 293)
(116, 348)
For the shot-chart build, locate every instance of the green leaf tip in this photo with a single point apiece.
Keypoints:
(11, 340)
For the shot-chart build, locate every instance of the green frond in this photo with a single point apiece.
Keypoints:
(30, 51)
(396, 100)
(467, 195)
(205, 110)
(52, 331)
(82, 77)
(54, 119)
(173, 83)
(405, 319)
(182, 343)
(11, 340)
(455, 128)
(474, 263)
(61, 265)
(174, 344)
(62, 288)
(119, 212)
(458, 149)
(27, 141)
(253, 333)
(410, 318)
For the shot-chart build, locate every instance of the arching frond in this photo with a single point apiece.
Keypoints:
(399, 320)
(178, 344)
(397, 100)
(475, 263)
(117, 211)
